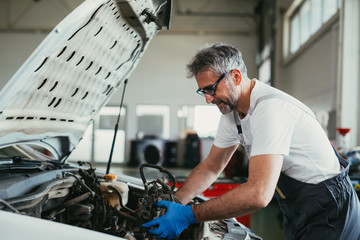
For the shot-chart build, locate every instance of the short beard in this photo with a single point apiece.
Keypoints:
(231, 103)
(227, 108)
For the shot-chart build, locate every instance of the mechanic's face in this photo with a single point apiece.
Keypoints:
(225, 96)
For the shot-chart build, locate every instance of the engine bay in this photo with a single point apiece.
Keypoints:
(84, 198)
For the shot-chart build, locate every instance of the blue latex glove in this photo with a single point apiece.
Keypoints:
(176, 219)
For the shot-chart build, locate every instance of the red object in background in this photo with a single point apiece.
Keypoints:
(343, 131)
(218, 189)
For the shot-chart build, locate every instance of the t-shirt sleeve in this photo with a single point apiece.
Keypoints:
(272, 127)
(226, 137)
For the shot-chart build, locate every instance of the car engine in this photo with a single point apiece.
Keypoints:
(84, 198)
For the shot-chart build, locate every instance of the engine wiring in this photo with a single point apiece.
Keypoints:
(81, 198)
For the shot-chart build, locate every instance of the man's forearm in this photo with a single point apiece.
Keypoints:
(205, 173)
(197, 182)
(256, 193)
(235, 203)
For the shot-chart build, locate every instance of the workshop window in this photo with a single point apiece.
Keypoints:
(96, 143)
(104, 128)
(153, 120)
(305, 23)
(315, 16)
(295, 34)
(305, 18)
(203, 120)
(206, 120)
(329, 9)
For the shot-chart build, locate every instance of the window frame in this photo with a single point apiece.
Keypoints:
(189, 115)
(288, 53)
(162, 110)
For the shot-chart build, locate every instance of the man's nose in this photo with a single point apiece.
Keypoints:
(209, 98)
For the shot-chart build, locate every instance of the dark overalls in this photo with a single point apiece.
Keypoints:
(327, 210)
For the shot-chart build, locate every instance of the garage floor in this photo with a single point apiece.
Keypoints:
(267, 222)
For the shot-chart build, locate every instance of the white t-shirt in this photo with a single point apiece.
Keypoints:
(278, 126)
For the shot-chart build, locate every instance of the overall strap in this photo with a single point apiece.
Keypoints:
(237, 122)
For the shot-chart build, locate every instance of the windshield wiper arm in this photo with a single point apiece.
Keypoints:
(19, 163)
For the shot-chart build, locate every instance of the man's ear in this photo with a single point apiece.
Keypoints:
(238, 77)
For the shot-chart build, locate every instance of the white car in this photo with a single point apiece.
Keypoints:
(45, 110)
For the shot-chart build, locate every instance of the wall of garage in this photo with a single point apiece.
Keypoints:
(311, 74)
(323, 72)
(15, 48)
(349, 86)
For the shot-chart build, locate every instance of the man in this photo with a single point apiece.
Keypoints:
(288, 152)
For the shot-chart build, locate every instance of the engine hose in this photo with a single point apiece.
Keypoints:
(167, 187)
(82, 184)
(161, 169)
(126, 216)
(75, 200)
(6, 204)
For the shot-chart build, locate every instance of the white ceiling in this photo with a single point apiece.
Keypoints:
(29, 15)
(203, 16)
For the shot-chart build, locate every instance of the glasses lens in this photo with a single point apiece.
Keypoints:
(210, 90)
(205, 91)
(201, 92)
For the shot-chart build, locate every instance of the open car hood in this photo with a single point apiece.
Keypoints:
(55, 95)
(46, 108)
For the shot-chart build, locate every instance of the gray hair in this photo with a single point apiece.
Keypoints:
(219, 58)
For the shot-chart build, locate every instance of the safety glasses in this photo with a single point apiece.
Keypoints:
(210, 90)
